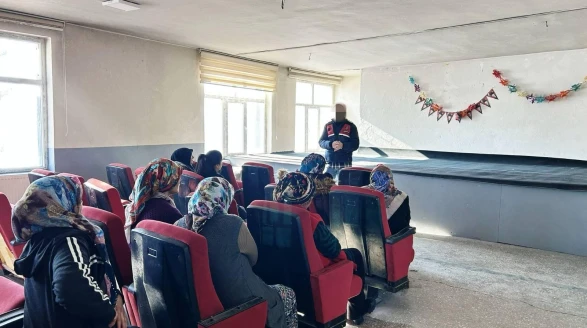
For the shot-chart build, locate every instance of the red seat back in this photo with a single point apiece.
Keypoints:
(103, 196)
(358, 219)
(255, 177)
(12, 295)
(121, 177)
(6, 226)
(118, 249)
(228, 174)
(188, 183)
(36, 174)
(354, 176)
(138, 171)
(171, 271)
(81, 181)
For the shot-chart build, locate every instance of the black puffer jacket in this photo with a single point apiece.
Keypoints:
(345, 132)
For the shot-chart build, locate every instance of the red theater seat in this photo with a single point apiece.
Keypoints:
(359, 220)
(121, 177)
(255, 177)
(228, 174)
(288, 256)
(187, 185)
(138, 171)
(354, 176)
(81, 181)
(173, 283)
(36, 174)
(11, 303)
(103, 196)
(6, 227)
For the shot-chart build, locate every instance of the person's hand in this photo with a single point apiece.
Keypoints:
(337, 145)
(120, 317)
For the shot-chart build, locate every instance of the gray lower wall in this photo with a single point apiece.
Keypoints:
(548, 219)
(91, 162)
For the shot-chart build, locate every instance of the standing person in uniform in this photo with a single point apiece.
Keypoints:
(340, 139)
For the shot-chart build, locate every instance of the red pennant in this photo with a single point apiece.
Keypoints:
(420, 99)
(458, 117)
(470, 114)
(449, 116)
(430, 112)
(439, 115)
(485, 101)
(492, 94)
(436, 107)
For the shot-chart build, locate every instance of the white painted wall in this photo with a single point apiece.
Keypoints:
(282, 132)
(349, 93)
(126, 91)
(512, 126)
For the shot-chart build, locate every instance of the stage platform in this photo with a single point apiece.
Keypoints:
(525, 201)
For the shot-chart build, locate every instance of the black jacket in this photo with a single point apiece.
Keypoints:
(345, 132)
(63, 274)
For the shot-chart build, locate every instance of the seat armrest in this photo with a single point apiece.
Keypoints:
(253, 312)
(331, 289)
(128, 293)
(402, 234)
(12, 318)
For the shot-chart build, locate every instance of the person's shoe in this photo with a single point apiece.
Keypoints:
(355, 322)
(370, 304)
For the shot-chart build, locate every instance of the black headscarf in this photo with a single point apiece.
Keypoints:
(183, 156)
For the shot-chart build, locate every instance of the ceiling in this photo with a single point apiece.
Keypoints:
(339, 35)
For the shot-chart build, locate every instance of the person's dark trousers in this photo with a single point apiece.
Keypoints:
(357, 305)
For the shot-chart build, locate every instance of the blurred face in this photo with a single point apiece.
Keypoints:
(339, 112)
(193, 160)
(218, 168)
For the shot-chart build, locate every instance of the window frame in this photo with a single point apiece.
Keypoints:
(307, 108)
(42, 82)
(225, 101)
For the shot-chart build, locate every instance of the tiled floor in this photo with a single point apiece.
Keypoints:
(466, 283)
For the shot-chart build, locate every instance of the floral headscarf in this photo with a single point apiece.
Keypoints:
(56, 202)
(313, 164)
(159, 176)
(382, 180)
(295, 188)
(213, 196)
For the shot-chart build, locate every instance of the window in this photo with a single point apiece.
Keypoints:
(234, 119)
(22, 103)
(313, 110)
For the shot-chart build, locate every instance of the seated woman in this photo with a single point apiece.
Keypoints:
(313, 166)
(152, 195)
(184, 157)
(397, 202)
(233, 253)
(298, 189)
(69, 281)
(210, 165)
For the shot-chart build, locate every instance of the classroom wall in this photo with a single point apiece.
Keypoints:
(512, 126)
(128, 100)
(282, 132)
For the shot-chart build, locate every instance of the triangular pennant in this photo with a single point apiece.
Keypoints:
(439, 115)
(485, 101)
(458, 117)
(420, 99)
(449, 116)
(427, 103)
(479, 108)
(430, 112)
(470, 114)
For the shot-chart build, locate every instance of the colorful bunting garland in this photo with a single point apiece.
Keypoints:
(428, 103)
(536, 98)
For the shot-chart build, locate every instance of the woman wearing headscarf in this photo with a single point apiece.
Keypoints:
(152, 195)
(298, 189)
(69, 281)
(396, 201)
(313, 166)
(184, 157)
(232, 253)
